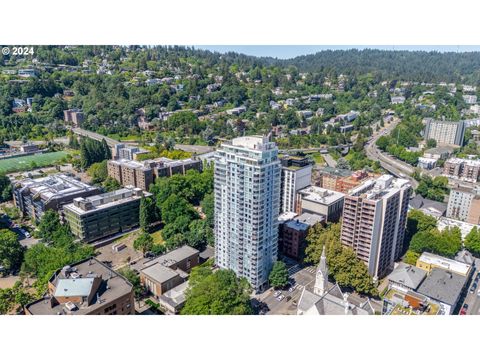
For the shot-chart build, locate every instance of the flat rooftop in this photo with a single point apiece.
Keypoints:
(381, 187)
(159, 272)
(310, 219)
(465, 228)
(254, 142)
(54, 186)
(175, 296)
(107, 200)
(78, 281)
(286, 216)
(334, 171)
(133, 164)
(320, 195)
(445, 263)
(174, 256)
(469, 162)
(442, 285)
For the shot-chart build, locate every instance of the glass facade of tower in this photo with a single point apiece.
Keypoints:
(247, 201)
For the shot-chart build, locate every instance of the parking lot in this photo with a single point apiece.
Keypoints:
(121, 258)
(284, 302)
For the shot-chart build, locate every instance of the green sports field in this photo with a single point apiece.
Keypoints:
(29, 162)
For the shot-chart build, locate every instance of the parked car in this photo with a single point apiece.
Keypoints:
(277, 293)
(464, 309)
(281, 297)
(473, 288)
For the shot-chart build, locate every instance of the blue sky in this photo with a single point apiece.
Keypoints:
(289, 51)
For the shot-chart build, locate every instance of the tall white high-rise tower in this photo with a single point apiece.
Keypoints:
(247, 201)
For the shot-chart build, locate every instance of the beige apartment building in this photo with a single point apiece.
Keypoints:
(374, 220)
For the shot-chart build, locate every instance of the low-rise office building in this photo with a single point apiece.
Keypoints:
(340, 180)
(426, 163)
(103, 215)
(327, 177)
(428, 262)
(35, 196)
(445, 287)
(167, 271)
(87, 287)
(320, 201)
(292, 234)
(173, 300)
(166, 167)
(429, 207)
(406, 277)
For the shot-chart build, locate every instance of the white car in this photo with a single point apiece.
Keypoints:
(277, 293)
(281, 297)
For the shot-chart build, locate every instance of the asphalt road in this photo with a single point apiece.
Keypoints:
(394, 166)
(329, 160)
(473, 300)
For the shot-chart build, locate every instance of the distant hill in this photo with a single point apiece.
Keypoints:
(403, 65)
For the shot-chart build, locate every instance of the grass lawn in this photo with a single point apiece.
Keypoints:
(30, 161)
(157, 237)
(125, 138)
(318, 158)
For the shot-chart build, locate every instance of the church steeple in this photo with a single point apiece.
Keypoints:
(321, 278)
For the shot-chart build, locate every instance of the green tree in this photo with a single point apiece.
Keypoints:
(49, 223)
(98, 172)
(175, 206)
(344, 266)
(208, 208)
(200, 234)
(16, 295)
(5, 188)
(143, 243)
(134, 279)
(383, 142)
(42, 260)
(217, 293)
(278, 275)
(11, 252)
(431, 143)
(445, 243)
(148, 213)
(411, 257)
(105, 150)
(472, 241)
(111, 184)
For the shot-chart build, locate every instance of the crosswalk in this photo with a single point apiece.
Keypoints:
(296, 268)
(293, 269)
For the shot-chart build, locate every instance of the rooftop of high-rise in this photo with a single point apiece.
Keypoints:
(376, 189)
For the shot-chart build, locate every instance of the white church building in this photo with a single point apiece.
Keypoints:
(325, 300)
